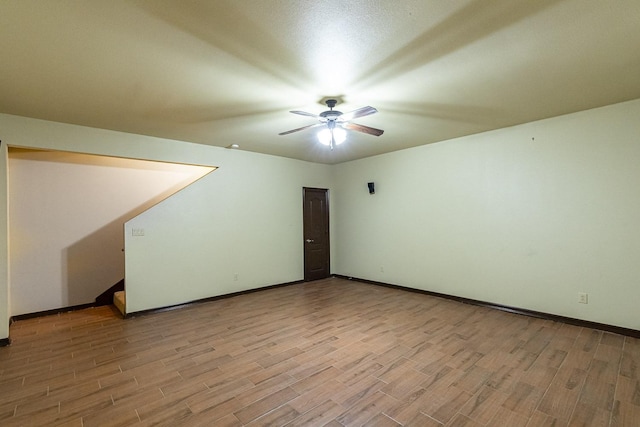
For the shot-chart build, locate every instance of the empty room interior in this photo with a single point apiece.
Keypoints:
(270, 213)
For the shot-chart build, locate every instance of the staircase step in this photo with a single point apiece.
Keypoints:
(119, 301)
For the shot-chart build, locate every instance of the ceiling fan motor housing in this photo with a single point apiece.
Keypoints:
(332, 114)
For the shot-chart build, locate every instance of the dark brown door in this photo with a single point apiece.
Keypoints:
(316, 233)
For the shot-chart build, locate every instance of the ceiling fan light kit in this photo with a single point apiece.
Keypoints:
(335, 122)
(339, 136)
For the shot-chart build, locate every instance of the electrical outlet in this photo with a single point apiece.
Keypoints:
(583, 298)
(137, 231)
(235, 277)
(381, 269)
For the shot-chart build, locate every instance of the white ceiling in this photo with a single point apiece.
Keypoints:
(227, 72)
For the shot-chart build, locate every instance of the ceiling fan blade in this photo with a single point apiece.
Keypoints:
(360, 112)
(363, 128)
(302, 128)
(304, 113)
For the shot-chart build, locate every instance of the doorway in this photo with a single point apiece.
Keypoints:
(315, 214)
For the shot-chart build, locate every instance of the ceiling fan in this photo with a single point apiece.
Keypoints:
(335, 122)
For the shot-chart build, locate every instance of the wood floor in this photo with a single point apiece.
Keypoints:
(332, 352)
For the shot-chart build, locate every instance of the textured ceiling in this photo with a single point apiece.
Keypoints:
(227, 72)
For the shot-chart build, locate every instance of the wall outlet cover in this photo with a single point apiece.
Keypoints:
(583, 298)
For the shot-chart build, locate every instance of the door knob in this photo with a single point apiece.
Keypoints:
(309, 241)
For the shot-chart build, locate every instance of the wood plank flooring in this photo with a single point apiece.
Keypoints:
(332, 352)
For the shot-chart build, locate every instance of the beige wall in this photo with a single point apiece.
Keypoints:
(527, 216)
(4, 241)
(66, 221)
(238, 228)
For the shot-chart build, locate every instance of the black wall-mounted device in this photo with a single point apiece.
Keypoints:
(372, 188)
